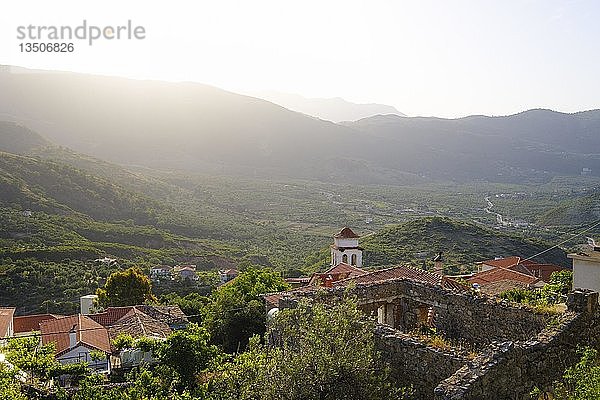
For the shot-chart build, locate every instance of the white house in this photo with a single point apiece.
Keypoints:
(186, 272)
(161, 272)
(75, 337)
(586, 267)
(345, 249)
(227, 274)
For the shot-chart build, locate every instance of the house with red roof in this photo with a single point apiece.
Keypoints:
(498, 280)
(501, 274)
(333, 274)
(226, 275)
(515, 263)
(26, 324)
(75, 337)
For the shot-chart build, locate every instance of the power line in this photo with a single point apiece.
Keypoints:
(597, 223)
(589, 228)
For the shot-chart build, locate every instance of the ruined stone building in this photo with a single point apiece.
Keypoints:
(492, 349)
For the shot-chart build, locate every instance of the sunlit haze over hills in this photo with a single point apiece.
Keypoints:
(429, 58)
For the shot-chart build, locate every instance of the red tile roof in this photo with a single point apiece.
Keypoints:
(405, 272)
(88, 333)
(30, 323)
(502, 274)
(231, 271)
(110, 315)
(346, 233)
(544, 271)
(527, 267)
(6, 319)
(139, 324)
(333, 274)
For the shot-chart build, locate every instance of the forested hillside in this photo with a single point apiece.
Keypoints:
(578, 211)
(418, 241)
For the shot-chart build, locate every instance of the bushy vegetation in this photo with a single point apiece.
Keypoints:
(553, 292)
(311, 352)
(236, 312)
(126, 288)
(579, 382)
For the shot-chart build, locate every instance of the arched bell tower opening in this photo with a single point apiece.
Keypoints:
(345, 249)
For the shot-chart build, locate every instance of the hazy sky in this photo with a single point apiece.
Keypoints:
(443, 58)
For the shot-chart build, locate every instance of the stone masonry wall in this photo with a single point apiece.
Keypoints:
(519, 349)
(413, 363)
(510, 370)
(468, 317)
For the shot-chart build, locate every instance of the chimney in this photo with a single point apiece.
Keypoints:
(73, 337)
(438, 264)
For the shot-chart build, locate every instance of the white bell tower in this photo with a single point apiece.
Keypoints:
(345, 249)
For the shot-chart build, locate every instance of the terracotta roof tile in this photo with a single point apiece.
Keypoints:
(110, 315)
(346, 233)
(333, 274)
(543, 271)
(89, 333)
(138, 324)
(502, 274)
(30, 323)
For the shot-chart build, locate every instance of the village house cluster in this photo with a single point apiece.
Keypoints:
(488, 338)
(76, 337)
(186, 272)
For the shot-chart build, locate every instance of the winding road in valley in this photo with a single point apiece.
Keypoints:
(488, 210)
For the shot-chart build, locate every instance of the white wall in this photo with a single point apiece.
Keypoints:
(337, 257)
(82, 354)
(339, 242)
(586, 275)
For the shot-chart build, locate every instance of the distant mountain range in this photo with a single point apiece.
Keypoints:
(332, 109)
(195, 127)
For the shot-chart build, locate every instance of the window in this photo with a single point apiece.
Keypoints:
(353, 259)
(345, 258)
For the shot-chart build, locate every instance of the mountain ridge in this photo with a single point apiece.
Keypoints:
(197, 127)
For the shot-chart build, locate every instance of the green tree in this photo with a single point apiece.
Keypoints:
(319, 352)
(236, 311)
(126, 288)
(187, 352)
(580, 382)
(9, 386)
